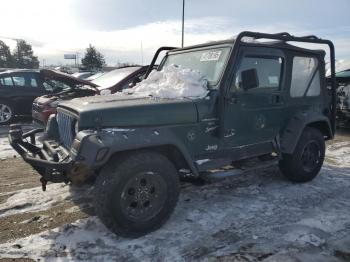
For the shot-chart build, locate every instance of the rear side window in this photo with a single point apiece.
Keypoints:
(18, 80)
(33, 82)
(305, 77)
(6, 82)
(25, 80)
(268, 69)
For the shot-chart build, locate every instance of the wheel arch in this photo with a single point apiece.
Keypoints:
(291, 134)
(176, 156)
(322, 126)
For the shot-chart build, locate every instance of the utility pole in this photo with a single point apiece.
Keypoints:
(141, 53)
(183, 22)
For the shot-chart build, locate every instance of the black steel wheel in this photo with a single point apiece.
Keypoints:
(307, 159)
(136, 193)
(143, 196)
(311, 156)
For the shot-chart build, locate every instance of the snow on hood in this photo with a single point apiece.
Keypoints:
(172, 82)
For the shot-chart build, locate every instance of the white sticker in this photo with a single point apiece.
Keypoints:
(210, 56)
(273, 80)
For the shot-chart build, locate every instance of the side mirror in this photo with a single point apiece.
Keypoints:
(249, 79)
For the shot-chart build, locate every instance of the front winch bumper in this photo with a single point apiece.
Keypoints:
(51, 161)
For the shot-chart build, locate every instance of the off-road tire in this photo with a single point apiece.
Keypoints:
(293, 165)
(11, 107)
(112, 183)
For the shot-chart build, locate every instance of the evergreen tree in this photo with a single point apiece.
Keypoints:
(93, 59)
(24, 57)
(6, 60)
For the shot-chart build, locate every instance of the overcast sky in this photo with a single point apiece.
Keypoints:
(117, 27)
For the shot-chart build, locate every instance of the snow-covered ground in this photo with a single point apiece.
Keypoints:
(251, 217)
(5, 149)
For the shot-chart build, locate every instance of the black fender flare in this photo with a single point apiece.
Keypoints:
(118, 140)
(292, 132)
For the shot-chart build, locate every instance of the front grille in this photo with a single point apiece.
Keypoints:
(65, 128)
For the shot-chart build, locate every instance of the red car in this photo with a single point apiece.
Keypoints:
(70, 87)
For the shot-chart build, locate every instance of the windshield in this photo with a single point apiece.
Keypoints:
(111, 78)
(56, 86)
(209, 62)
(82, 75)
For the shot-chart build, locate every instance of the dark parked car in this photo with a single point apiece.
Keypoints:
(19, 88)
(111, 82)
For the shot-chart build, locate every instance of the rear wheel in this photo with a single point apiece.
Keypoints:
(307, 159)
(6, 113)
(136, 194)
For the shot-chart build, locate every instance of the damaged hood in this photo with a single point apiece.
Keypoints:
(65, 78)
(127, 111)
(79, 87)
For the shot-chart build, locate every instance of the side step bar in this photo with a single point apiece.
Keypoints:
(217, 175)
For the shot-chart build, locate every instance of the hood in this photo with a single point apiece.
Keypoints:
(65, 78)
(68, 94)
(127, 111)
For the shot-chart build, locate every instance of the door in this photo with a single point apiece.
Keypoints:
(254, 115)
(26, 89)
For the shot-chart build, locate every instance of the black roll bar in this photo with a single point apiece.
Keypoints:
(155, 57)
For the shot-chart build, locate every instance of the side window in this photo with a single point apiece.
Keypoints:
(6, 82)
(268, 69)
(33, 82)
(25, 80)
(19, 81)
(305, 77)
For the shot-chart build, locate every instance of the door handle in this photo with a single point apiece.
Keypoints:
(232, 99)
(276, 99)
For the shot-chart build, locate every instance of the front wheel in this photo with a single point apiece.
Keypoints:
(307, 159)
(137, 193)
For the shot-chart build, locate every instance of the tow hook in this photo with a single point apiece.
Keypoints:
(43, 183)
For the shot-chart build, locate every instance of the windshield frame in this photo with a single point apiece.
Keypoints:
(195, 49)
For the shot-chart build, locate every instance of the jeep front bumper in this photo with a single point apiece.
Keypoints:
(52, 161)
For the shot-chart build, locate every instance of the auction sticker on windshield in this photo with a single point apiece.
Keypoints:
(210, 56)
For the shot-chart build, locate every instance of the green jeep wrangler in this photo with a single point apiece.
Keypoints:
(266, 97)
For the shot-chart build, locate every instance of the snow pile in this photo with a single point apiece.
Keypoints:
(78, 241)
(5, 149)
(339, 154)
(34, 199)
(172, 82)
